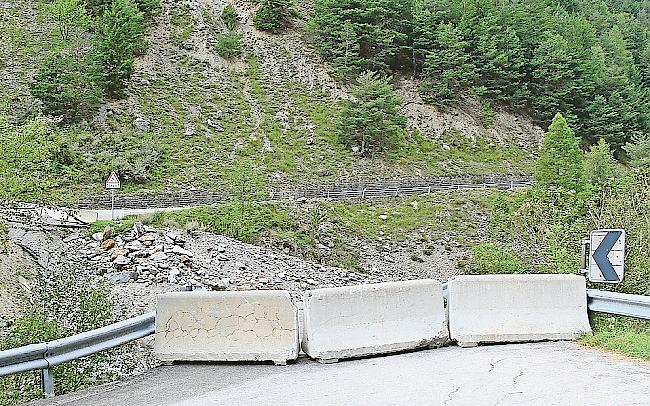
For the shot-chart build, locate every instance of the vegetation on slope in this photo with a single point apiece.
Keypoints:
(186, 122)
(588, 59)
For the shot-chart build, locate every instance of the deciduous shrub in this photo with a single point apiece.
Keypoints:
(64, 88)
(230, 17)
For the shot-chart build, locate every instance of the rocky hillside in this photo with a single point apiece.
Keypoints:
(191, 118)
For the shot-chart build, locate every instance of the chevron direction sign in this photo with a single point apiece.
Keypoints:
(607, 256)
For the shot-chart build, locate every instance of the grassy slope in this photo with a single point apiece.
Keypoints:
(285, 127)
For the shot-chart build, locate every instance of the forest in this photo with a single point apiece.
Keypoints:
(587, 59)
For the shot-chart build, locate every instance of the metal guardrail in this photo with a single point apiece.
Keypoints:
(618, 303)
(45, 356)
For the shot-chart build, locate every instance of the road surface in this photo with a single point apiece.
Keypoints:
(556, 373)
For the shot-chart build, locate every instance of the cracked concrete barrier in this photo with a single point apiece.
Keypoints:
(226, 326)
(516, 308)
(362, 320)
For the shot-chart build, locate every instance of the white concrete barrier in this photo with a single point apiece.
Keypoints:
(516, 308)
(355, 321)
(226, 326)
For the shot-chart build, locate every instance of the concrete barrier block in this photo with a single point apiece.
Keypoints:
(516, 308)
(226, 326)
(362, 320)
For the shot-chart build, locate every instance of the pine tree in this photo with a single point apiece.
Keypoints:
(68, 14)
(274, 15)
(119, 36)
(64, 89)
(371, 119)
(560, 161)
(447, 68)
(600, 165)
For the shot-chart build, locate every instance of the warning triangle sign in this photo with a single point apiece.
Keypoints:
(113, 181)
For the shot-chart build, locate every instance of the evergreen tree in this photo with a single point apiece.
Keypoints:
(639, 151)
(381, 33)
(370, 119)
(68, 14)
(600, 166)
(63, 88)
(447, 68)
(553, 74)
(560, 161)
(274, 15)
(119, 36)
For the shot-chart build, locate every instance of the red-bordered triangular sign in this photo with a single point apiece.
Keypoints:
(113, 181)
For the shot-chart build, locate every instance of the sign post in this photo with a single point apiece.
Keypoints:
(603, 256)
(113, 184)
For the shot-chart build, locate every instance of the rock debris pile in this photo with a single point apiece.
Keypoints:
(146, 256)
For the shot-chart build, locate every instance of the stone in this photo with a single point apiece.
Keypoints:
(107, 244)
(141, 124)
(99, 237)
(120, 252)
(158, 256)
(138, 228)
(248, 326)
(240, 265)
(216, 125)
(109, 233)
(149, 237)
(181, 251)
(119, 277)
(190, 130)
(121, 260)
(134, 246)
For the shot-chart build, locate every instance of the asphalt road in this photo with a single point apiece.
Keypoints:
(556, 373)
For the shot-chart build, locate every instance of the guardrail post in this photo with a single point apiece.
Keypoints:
(47, 379)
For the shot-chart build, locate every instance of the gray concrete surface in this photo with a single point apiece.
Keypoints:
(257, 325)
(353, 321)
(556, 373)
(516, 308)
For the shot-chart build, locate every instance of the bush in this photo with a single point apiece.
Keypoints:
(274, 15)
(68, 14)
(148, 7)
(229, 45)
(137, 165)
(371, 118)
(34, 160)
(560, 162)
(229, 17)
(119, 36)
(245, 222)
(64, 89)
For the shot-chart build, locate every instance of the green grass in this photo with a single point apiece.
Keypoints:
(621, 334)
(300, 229)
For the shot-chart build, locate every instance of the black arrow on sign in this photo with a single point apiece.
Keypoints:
(600, 255)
